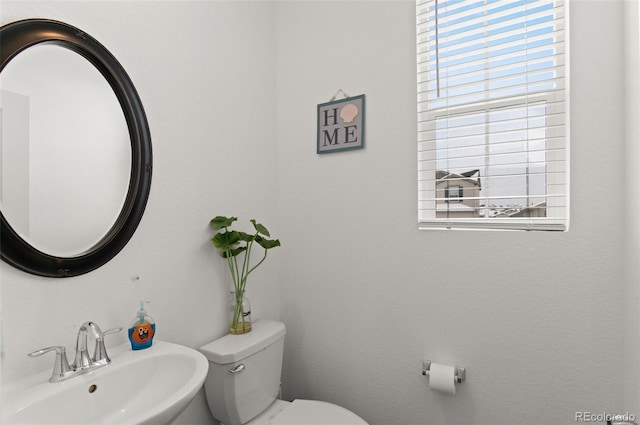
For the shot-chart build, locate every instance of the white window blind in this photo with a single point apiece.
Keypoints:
(493, 114)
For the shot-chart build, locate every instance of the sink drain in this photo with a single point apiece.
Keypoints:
(92, 389)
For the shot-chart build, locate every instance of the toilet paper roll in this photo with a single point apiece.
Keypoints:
(441, 378)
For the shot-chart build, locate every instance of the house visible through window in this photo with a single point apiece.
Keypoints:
(492, 114)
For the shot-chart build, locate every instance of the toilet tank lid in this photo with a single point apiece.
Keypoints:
(232, 348)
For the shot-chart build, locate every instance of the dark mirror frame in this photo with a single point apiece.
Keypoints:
(20, 35)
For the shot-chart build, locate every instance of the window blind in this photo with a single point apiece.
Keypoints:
(493, 114)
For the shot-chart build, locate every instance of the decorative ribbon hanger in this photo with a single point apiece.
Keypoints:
(346, 96)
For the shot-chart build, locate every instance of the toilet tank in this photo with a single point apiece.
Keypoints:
(244, 372)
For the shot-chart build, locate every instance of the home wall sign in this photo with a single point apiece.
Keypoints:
(341, 125)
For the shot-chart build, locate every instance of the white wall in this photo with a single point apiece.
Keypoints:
(205, 72)
(365, 296)
(632, 136)
(536, 318)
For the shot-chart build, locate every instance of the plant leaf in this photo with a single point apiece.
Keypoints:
(246, 237)
(260, 228)
(220, 222)
(226, 240)
(234, 251)
(267, 243)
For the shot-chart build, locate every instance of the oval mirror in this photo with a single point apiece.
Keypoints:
(65, 179)
(76, 150)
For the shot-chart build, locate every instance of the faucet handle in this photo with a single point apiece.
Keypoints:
(61, 369)
(112, 331)
(100, 351)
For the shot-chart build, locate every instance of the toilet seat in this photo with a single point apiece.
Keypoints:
(306, 412)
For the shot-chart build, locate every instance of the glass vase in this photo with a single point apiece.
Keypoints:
(240, 314)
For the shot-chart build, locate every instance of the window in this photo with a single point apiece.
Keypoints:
(492, 114)
(453, 194)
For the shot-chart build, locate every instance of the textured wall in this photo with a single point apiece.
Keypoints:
(631, 13)
(535, 317)
(205, 73)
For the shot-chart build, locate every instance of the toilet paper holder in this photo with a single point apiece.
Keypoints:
(458, 377)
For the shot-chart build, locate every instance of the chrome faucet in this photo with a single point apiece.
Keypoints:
(83, 362)
(61, 369)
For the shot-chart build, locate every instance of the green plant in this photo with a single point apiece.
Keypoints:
(232, 243)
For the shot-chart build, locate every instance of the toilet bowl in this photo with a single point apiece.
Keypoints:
(243, 383)
(306, 412)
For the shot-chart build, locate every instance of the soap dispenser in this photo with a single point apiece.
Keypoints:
(142, 330)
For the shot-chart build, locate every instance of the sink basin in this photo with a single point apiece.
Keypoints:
(149, 386)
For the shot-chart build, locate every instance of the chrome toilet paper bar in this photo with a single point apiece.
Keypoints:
(458, 377)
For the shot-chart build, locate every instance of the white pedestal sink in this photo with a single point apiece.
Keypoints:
(151, 386)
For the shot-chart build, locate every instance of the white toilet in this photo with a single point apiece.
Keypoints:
(244, 381)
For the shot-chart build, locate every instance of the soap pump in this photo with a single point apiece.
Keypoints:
(142, 329)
